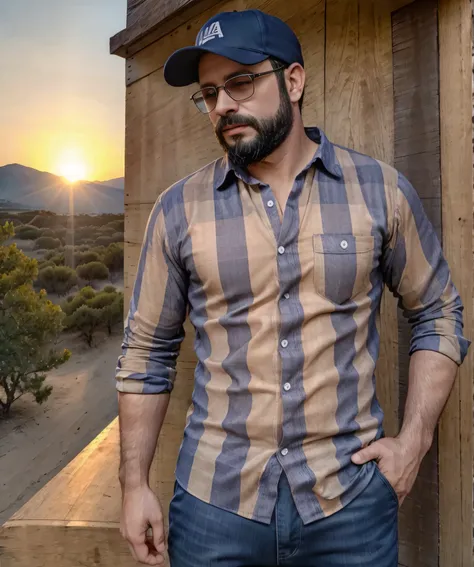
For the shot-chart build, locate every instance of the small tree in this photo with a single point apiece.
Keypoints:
(47, 242)
(27, 232)
(86, 257)
(113, 313)
(57, 279)
(29, 324)
(93, 271)
(86, 320)
(113, 258)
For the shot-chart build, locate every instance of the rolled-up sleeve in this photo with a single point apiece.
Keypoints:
(417, 273)
(154, 326)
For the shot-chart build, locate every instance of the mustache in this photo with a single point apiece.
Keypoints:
(236, 120)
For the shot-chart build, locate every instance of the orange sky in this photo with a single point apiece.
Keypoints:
(62, 96)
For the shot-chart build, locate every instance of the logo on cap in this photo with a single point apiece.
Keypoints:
(211, 32)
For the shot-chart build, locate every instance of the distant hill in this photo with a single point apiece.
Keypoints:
(118, 183)
(25, 187)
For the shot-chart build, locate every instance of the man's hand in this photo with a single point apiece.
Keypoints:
(141, 509)
(397, 461)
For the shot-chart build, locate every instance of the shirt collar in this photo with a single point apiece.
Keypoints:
(325, 155)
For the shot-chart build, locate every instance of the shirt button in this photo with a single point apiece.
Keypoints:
(284, 452)
(270, 203)
(284, 343)
(344, 244)
(287, 296)
(281, 250)
(287, 386)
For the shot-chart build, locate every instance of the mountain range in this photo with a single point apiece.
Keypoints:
(23, 187)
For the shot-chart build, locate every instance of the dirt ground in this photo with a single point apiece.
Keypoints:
(37, 441)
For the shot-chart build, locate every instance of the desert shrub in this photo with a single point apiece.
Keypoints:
(110, 289)
(25, 232)
(104, 240)
(118, 237)
(73, 302)
(58, 279)
(46, 264)
(86, 257)
(48, 232)
(106, 230)
(113, 257)
(102, 299)
(88, 292)
(86, 320)
(57, 259)
(93, 271)
(47, 242)
(89, 311)
(118, 225)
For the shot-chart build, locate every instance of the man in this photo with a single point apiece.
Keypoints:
(280, 250)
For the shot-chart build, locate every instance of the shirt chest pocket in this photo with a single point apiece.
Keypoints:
(342, 265)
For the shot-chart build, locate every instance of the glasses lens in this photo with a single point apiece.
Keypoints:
(240, 88)
(205, 100)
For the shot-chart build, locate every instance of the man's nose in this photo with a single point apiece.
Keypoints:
(225, 104)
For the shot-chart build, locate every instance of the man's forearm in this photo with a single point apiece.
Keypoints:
(141, 417)
(431, 378)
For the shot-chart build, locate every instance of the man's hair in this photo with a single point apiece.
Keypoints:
(281, 79)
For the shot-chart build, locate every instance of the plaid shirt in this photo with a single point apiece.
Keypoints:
(286, 313)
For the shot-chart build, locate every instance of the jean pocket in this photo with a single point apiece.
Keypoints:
(387, 484)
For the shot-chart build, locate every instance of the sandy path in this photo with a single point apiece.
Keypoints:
(36, 442)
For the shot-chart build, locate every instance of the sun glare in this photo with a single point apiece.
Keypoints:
(73, 171)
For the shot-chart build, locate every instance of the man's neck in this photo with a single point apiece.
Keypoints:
(286, 162)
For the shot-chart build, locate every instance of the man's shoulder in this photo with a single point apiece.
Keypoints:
(195, 185)
(350, 158)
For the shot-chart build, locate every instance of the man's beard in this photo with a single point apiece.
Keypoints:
(271, 133)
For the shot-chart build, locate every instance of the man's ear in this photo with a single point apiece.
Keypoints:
(295, 81)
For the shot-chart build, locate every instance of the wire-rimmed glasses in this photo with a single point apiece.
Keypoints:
(240, 87)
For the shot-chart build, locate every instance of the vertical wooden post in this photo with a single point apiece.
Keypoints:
(455, 431)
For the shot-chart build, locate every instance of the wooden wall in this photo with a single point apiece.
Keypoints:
(383, 77)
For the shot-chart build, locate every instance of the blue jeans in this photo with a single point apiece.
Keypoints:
(363, 534)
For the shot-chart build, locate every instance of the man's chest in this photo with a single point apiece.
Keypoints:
(247, 248)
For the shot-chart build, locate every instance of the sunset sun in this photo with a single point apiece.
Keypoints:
(73, 171)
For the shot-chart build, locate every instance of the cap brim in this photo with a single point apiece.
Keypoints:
(182, 67)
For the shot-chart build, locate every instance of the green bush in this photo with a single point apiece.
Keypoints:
(48, 232)
(110, 289)
(46, 264)
(25, 232)
(86, 320)
(102, 299)
(89, 311)
(58, 279)
(113, 257)
(47, 242)
(117, 225)
(93, 271)
(86, 257)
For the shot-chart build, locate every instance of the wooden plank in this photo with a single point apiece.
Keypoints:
(455, 430)
(417, 155)
(151, 20)
(359, 114)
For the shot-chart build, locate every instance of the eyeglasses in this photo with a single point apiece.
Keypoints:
(238, 88)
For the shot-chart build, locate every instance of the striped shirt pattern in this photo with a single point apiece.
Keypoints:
(286, 311)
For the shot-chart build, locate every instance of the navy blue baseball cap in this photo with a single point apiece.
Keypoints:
(247, 37)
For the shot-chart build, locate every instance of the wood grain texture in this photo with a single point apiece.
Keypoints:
(75, 518)
(455, 430)
(151, 20)
(417, 156)
(359, 114)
